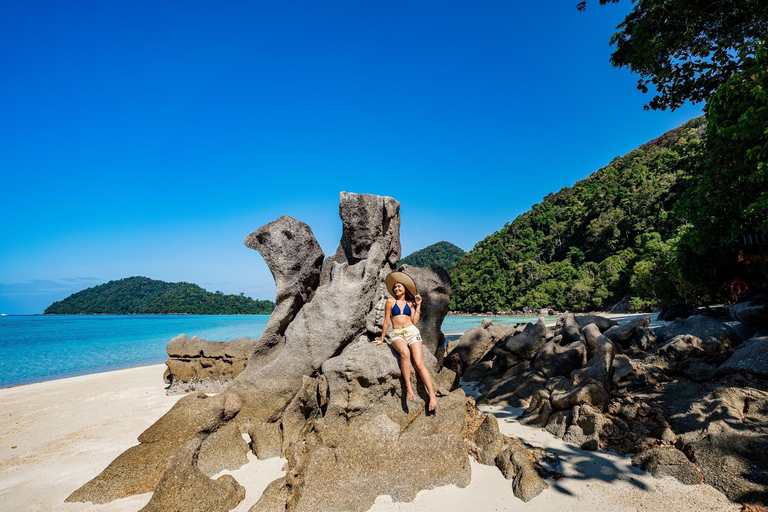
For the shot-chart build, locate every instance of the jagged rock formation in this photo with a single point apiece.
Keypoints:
(316, 391)
(194, 363)
(689, 399)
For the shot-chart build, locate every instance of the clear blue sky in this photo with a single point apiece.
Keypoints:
(149, 138)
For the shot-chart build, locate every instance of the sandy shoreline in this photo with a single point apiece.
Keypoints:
(57, 435)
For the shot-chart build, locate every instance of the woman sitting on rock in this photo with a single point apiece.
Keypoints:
(404, 309)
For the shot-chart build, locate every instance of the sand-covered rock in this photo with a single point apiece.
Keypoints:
(518, 465)
(185, 487)
(140, 468)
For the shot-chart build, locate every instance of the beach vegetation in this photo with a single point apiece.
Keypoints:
(612, 235)
(143, 296)
(443, 254)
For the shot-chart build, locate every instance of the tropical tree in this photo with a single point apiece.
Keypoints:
(686, 49)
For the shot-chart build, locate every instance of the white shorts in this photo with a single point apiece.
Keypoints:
(409, 335)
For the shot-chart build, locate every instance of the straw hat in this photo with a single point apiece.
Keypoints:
(402, 278)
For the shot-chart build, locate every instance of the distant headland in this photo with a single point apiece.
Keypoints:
(143, 296)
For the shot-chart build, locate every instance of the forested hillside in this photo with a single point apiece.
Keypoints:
(141, 295)
(442, 254)
(609, 236)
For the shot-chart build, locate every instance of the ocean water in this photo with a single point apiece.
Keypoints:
(39, 348)
(459, 324)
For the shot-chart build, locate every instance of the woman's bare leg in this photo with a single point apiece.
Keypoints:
(405, 365)
(418, 361)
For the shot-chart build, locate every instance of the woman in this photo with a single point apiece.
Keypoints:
(404, 309)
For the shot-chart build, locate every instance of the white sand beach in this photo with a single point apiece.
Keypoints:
(57, 435)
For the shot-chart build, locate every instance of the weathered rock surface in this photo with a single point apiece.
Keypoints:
(518, 465)
(341, 478)
(140, 468)
(726, 436)
(477, 371)
(668, 461)
(716, 337)
(554, 359)
(195, 363)
(478, 341)
(624, 334)
(489, 440)
(528, 342)
(568, 328)
(689, 400)
(750, 357)
(316, 390)
(174, 492)
(753, 313)
(601, 322)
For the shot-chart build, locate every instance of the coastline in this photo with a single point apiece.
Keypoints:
(57, 435)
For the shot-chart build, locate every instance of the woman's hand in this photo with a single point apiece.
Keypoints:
(378, 342)
(417, 298)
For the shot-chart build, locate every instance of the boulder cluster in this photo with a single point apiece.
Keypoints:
(687, 399)
(316, 391)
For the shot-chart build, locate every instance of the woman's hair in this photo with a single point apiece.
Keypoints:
(408, 295)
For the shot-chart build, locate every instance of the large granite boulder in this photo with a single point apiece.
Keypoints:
(554, 359)
(724, 433)
(716, 337)
(624, 334)
(478, 341)
(668, 461)
(352, 283)
(518, 465)
(601, 322)
(374, 459)
(753, 313)
(435, 290)
(525, 344)
(568, 327)
(295, 259)
(750, 357)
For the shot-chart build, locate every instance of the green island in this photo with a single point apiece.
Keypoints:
(443, 254)
(144, 296)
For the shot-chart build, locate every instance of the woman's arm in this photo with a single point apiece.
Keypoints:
(387, 313)
(416, 311)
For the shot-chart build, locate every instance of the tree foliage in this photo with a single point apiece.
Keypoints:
(443, 254)
(141, 295)
(611, 235)
(686, 49)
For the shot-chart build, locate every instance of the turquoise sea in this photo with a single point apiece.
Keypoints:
(39, 348)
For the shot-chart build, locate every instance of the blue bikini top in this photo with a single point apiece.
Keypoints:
(396, 310)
